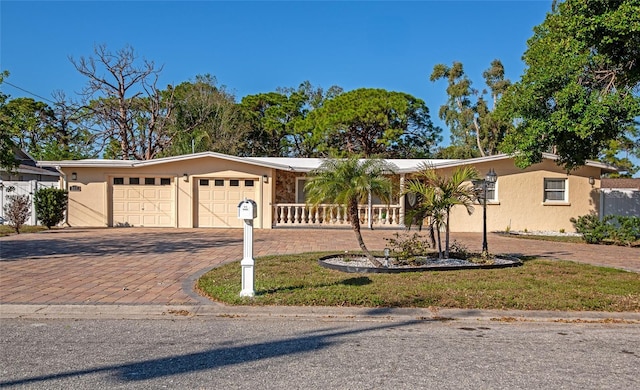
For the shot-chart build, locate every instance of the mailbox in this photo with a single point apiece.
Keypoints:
(247, 209)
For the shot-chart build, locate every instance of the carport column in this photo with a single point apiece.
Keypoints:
(247, 262)
(402, 202)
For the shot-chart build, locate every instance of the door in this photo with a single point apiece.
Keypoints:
(218, 200)
(142, 201)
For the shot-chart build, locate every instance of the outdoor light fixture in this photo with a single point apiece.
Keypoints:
(592, 181)
(74, 176)
(185, 177)
(491, 177)
(482, 185)
(265, 178)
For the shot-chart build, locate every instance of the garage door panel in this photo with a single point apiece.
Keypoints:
(165, 194)
(149, 193)
(166, 207)
(218, 195)
(133, 193)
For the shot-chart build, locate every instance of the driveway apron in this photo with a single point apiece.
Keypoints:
(158, 266)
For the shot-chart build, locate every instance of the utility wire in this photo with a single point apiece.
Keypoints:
(29, 92)
(48, 100)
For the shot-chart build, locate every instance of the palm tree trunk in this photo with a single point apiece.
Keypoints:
(352, 209)
(432, 234)
(439, 245)
(446, 238)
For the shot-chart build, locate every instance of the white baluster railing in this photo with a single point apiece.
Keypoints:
(300, 214)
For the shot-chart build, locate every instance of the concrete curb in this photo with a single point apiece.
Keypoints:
(173, 312)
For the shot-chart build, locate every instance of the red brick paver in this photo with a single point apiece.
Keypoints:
(151, 266)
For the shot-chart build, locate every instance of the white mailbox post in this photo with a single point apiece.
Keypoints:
(247, 211)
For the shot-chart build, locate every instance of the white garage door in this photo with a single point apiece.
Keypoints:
(218, 200)
(142, 201)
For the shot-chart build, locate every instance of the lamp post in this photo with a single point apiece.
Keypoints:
(481, 185)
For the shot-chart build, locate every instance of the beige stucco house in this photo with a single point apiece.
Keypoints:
(204, 190)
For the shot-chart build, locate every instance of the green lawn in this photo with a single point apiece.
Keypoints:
(537, 285)
(6, 230)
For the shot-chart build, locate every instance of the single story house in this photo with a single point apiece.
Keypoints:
(204, 190)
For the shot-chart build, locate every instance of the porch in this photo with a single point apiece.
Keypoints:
(304, 215)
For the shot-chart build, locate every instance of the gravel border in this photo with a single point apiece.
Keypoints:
(360, 264)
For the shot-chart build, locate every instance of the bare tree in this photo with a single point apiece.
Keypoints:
(124, 99)
(17, 211)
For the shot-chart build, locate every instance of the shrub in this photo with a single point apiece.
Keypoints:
(17, 211)
(406, 248)
(50, 205)
(615, 229)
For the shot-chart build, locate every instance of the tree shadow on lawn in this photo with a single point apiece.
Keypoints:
(359, 281)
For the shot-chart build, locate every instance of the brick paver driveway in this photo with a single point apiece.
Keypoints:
(158, 266)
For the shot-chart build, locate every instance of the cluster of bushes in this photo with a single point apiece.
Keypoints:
(50, 206)
(612, 229)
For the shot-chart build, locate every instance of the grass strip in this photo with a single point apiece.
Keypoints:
(298, 280)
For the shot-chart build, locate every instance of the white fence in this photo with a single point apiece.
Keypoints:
(300, 214)
(8, 188)
(620, 202)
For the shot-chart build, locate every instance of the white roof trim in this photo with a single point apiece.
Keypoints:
(295, 164)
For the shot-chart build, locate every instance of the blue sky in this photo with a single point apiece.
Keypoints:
(254, 47)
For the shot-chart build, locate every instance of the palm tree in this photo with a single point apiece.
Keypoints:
(349, 182)
(438, 195)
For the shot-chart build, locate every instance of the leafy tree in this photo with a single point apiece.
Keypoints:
(274, 118)
(29, 123)
(50, 205)
(7, 145)
(372, 122)
(124, 100)
(580, 89)
(69, 140)
(17, 211)
(349, 182)
(205, 117)
(437, 195)
(313, 98)
(618, 153)
(475, 130)
(44, 132)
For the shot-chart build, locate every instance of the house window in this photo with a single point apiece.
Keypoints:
(555, 190)
(492, 193)
(150, 181)
(234, 183)
(118, 181)
(165, 181)
(301, 195)
(134, 180)
(218, 183)
(204, 182)
(248, 183)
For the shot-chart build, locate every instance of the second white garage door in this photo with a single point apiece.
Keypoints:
(218, 200)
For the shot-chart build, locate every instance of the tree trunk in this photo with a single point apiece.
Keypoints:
(439, 244)
(432, 235)
(446, 238)
(477, 127)
(352, 209)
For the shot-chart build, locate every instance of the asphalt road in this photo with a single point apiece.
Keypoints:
(228, 352)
